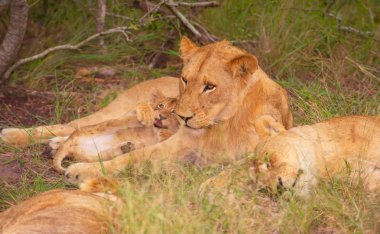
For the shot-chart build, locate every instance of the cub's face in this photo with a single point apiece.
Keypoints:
(274, 171)
(164, 112)
(214, 79)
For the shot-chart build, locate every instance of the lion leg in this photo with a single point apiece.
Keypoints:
(163, 151)
(123, 104)
(24, 136)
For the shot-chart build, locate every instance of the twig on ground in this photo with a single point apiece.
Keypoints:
(121, 30)
(119, 16)
(363, 69)
(195, 4)
(341, 27)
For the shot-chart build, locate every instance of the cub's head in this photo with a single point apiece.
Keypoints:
(277, 168)
(214, 80)
(164, 112)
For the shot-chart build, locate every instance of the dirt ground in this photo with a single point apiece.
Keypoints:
(22, 107)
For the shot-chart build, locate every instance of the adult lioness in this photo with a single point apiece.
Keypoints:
(109, 139)
(298, 158)
(224, 98)
(117, 110)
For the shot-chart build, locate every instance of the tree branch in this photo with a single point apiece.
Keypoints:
(195, 4)
(204, 37)
(341, 27)
(65, 47)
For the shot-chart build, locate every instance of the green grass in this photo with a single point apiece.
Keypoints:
(326, 71)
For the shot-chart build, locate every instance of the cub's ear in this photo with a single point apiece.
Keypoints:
(243, 66)
(186, 46)
(157, 94)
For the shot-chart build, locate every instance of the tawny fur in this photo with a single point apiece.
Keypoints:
(59, 211)
(150, 123)
(300, 157)
(123, 104)
(223, 93)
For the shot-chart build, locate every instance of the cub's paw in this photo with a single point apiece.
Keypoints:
(54, 144)
(145, 114)
(79, 172)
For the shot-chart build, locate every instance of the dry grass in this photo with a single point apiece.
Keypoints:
(327, 72)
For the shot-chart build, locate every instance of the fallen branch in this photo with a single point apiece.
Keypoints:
(341, 27)
(65, 47)
(204, 37)
(195, 4)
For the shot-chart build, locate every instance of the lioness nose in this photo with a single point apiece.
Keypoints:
(185, 118)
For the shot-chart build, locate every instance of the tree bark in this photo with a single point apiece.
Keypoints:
(100, 21)
(13, 38)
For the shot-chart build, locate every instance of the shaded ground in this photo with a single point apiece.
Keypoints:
(20, 108)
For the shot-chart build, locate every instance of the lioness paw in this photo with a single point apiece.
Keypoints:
(79, 172)
(145, 114)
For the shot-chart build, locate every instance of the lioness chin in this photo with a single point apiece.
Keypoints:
(225, 102)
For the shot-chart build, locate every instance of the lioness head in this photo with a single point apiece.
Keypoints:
(213, 82)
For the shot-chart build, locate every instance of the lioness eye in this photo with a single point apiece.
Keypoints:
(160, 106)
(209, 87)
(184, 80)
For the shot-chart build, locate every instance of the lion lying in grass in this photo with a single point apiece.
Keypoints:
(298, 158)
(226, 101)
(59, 211)
(150, 123)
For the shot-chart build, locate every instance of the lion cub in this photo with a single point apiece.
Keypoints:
(148, 124)
(298, 158)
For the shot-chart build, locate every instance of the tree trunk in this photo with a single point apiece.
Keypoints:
(101, 18)
(16, 30)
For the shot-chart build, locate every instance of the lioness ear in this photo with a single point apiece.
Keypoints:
(186, 46)
(243, 66)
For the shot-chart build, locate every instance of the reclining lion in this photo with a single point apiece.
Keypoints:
(59, 211)
(297, 159)
(226, 101)
(300, 157)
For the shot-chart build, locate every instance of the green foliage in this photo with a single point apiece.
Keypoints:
(328, 72)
